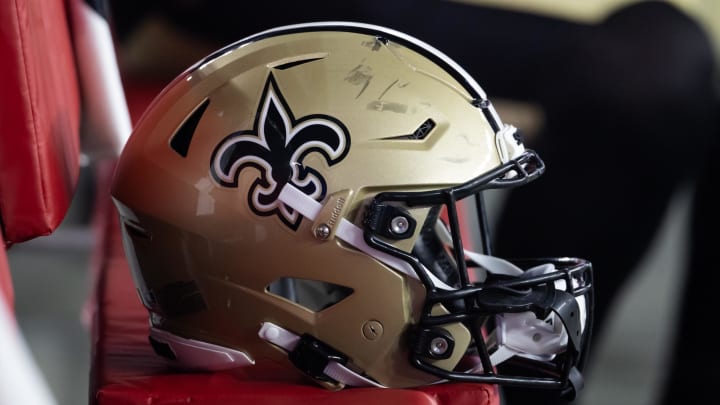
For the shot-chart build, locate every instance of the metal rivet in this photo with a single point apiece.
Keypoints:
(372, 330)
(438, 346)
(322, 231)
(536, 337)
(399, 225)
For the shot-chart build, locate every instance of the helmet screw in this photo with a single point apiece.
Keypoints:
(438, 346)
(322, 231)
(372, 330)
(399, 225)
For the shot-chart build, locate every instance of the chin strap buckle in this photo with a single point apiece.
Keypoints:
(315, 358)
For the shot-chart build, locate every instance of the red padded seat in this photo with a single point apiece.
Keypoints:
(39, 118)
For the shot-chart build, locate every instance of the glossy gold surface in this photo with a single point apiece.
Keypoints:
(200, 231)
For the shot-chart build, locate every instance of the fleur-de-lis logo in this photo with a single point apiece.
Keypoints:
(276, 147)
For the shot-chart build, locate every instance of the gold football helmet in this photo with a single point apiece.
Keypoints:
(309, 199)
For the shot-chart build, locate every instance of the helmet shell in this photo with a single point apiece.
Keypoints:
(336, 108)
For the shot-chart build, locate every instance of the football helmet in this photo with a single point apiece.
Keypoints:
(309, 199)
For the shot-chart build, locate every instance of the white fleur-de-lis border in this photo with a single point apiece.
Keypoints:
(276, 148)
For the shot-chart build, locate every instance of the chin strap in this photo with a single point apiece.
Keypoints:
(313, 357)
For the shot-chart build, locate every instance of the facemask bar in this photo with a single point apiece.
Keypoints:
(524, 169)
(474, 304)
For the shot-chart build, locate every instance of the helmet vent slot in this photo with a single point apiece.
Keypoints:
(297, 62)
(310, 294)
(180, 141)
(418, 134)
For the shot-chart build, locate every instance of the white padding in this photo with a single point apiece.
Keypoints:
(495, 265)
(196, 354)
(529, 336)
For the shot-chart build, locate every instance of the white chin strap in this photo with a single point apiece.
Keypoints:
(350, 233)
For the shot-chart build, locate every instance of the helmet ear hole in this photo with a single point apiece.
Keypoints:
(432, 252)
(310, 294)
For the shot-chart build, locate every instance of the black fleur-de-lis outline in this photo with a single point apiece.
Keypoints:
(276, 147)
